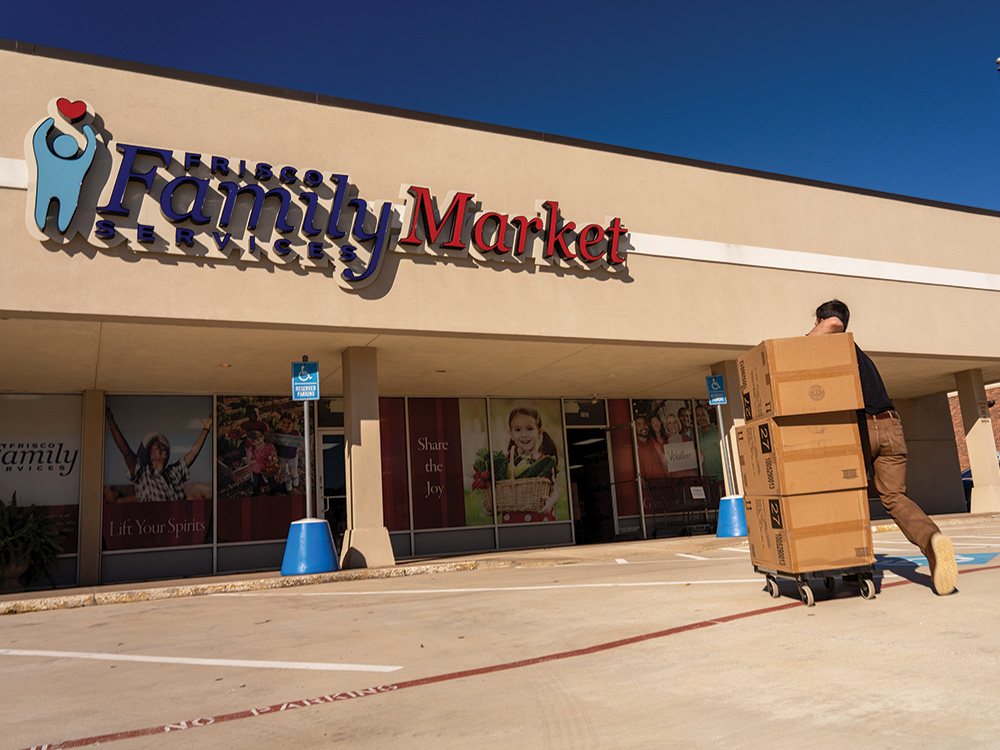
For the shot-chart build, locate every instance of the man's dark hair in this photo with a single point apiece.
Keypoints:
(834, 309)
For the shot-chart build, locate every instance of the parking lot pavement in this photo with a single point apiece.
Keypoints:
(645, 645)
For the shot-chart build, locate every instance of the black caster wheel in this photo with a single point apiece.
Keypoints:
(867, 588)
(828, 583)
(772, 588)
(806, 594)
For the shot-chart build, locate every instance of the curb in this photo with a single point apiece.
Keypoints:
(98, 598)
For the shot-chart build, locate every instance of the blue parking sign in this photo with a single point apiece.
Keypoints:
(305, 381)
(716, 389)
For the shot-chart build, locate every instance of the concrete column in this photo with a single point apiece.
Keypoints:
(933, 474)
(732, 416)
(366, 541)
(979, 440)
(91, 488)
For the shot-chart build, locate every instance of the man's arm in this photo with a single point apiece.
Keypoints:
(827, 325)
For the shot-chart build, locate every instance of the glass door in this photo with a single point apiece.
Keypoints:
(590, 485)
(334, 483)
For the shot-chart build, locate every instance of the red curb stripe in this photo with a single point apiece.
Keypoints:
(351, 694)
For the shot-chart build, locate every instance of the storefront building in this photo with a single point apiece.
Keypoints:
(485, 304)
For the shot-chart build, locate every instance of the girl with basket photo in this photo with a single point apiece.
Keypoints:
(531, 492)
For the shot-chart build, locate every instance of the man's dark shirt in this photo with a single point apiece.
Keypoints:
(872, 387)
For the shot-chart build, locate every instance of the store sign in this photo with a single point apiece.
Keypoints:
(178, 202)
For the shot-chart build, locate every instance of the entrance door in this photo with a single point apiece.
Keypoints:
(334, 483)
(590, 485)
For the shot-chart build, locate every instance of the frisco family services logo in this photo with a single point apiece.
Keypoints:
(176, 202)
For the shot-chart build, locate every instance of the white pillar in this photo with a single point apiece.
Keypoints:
(366, 541)
(732, 416)
(979, 440)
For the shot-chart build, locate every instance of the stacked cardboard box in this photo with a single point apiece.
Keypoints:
(800, 455)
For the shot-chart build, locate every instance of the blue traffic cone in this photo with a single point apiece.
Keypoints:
(309, 549)
(732, 517)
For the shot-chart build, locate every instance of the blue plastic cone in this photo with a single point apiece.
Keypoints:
(732, 517)
(309, 549)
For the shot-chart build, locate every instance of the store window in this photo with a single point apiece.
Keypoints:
(665, 439)
(157, 472)
(395, 482)
(623, 464)
(529, 461)
(261, 467)
(40, 457)
(446, 440)
(678, 455)
(706, 429)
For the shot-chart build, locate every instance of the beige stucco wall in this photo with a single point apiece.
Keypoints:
(657, 301)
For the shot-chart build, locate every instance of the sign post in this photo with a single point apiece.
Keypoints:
(305, 387)
(717, 397)
(310, 547)
(732, 519)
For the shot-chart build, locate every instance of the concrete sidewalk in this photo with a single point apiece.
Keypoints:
(646, 644)
(69, 598)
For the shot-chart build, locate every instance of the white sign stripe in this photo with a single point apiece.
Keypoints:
(794, 260)
(14, 173)
(244, 663)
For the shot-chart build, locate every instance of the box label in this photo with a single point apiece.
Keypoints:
(765, 438)
(775, 508)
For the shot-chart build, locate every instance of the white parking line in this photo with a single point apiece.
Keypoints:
(245, 663)
(734, 549)
(484, 589)
(691, 557)
(621, 561)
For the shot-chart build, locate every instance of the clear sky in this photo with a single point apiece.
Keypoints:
(887, 95)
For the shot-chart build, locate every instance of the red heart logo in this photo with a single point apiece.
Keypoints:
(72, 111)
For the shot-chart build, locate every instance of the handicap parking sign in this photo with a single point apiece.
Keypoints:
(716, 389)
(305, 381)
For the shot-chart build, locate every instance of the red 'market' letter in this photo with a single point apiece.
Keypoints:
(584, 241)
(615, 231)
(552, 237)
(423, 210)
(480, 241)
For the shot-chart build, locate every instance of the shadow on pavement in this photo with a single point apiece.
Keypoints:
(905, 568)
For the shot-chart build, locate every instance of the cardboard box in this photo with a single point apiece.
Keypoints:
(801, 375)
(806, 533)
(798, 455)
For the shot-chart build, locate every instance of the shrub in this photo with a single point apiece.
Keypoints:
(29, 536)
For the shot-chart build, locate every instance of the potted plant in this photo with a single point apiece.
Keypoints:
(30, 542)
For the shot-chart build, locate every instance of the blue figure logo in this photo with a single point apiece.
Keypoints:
(61, 165)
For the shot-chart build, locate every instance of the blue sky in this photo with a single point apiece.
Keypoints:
(897, 96)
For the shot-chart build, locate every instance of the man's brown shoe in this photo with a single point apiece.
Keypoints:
(944, 570)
